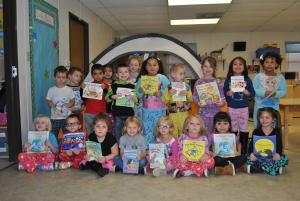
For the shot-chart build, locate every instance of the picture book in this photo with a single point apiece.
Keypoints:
(130, 163)
(37, 140)
(264, 146)
(208, 93)
(157, 156)
(149, 84)
(93, 150)
(225, 145)
(178, 86)
(124, 95)
(59, 108)
(73, 141)
(237, 83)
(93, 91)
(193, 150)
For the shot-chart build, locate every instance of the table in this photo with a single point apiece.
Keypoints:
(286, 103)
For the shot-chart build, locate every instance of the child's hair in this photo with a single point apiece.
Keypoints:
(269, 110)
(60, 69)
(97, 67)
(164, 119)
(222, 117)
(132, 120)
(43, 117)
(272, 55)
(108, 66)
(188, 120)
(136, 57)
(230, 69)
(73, 116)
(102, 116)
(144, 70)
(213, 63)
(73, 69)
(174, 68)
(122, 65)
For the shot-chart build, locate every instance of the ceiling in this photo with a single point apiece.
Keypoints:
(128, 17)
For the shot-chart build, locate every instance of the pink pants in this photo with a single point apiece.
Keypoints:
(239, 119)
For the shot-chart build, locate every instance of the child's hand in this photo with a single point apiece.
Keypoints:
(114, 97)
(246, 92)
(229, 93)
(138, 157)
(183, 93)
(172, 92)
(101, 159)
(183, 159)
(269, 94)
(158, 94)
(82, 85)
(69, 152)
(102, 86)
(253, 157)
(200, 105)
(76, 151)
(48, 143)
(237, 153)
(204, 157)
(27, 145)
(133, 99)
(276, 157)
(220, 104)
(165, 162)
(141, 90)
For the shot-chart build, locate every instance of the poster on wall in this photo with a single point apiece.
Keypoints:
(44, 52)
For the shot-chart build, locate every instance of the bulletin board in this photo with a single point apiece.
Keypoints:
(44, 52)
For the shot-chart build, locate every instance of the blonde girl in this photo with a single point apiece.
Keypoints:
(135, 63)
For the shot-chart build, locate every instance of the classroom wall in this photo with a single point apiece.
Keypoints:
(100, 36)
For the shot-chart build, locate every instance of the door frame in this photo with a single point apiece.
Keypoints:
(85, 41)
(12, 83)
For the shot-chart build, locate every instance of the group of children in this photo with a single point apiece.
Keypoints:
(157, 118)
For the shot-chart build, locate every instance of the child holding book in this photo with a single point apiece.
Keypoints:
(177, 98)
(269, 86)
(208, 110)
(238, 100)
(132, 139)
(164, 136)
(60, 99)
(194, 129)
(124, 109)
(227, 165)
(71, 157)
(109, 147)
(153, 106)
(32, 162)
(271, 164)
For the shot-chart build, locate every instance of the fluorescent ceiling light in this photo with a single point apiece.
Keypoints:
(196, 2)
(195, 21)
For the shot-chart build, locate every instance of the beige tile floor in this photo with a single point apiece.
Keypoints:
(85, 185)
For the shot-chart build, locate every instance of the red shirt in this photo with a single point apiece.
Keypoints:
(94, 106)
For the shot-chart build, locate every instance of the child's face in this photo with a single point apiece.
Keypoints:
(41, 125)
(266, 119)
(61, 79)
(222, 127)
(194, 127)
(238, 67)
(134, 66)
(207, 69)
(108, 73)
(100, 128)
(75, 77)
(73, 125)
(152, 67)
(270, 65)
(164, 128)
(132, 129)
(98, 75)
(179, 75)
(123, 73)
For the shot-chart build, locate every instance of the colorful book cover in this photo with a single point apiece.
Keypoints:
(157, 156)
(237, 83)
(149, 84)
(208, 93)
(178, 86)
(93, 150)
(124, 95)
(225, 145)
(73, 141)
(59, 108)
(193, 150)
(93, 91)
(264, 146)
(37, 140)
(130, 163)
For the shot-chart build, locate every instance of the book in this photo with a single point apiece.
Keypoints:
(237, 83)
(93, 91)
(149, 84)
(157, 156)
(124, 97)
(130, 163)
(264, 146)
(37, 140)
(225, 145)
(193, 150)
(93, 150)
(208, 93)
(72, 141)
(178, 86)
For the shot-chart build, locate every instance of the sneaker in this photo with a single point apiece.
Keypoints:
(64, 165)
(205, 173)
(21, 167)
(103, 171)
(229, 169)
(219, 170)
(56, 165)
(145, 170)
(243, 168)
(280, 170)
(177, 173)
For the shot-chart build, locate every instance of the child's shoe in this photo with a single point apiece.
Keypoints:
(21, 167)
(243, 168)
(103, 171)
(64, 165)
(280, 170)
(177, 173)
(249, 169)
(229, 169)
(219, 170)
(158, 172)
(206, 173)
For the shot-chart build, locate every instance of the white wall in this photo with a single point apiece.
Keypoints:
(100, 37)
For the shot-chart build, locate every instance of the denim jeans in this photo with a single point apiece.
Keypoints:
(89, 118)
(119, 162)
(119, 124)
